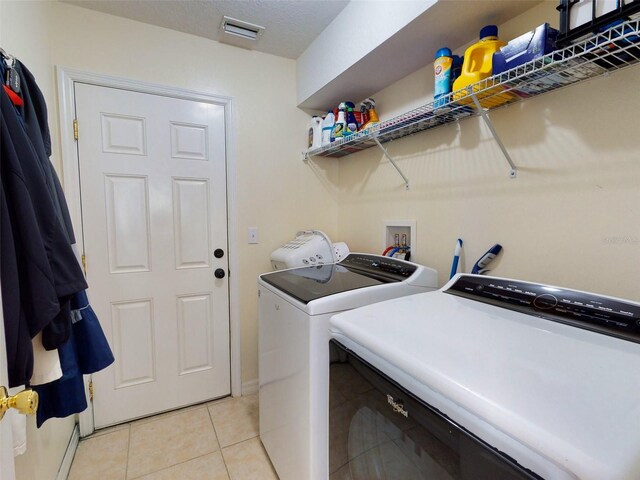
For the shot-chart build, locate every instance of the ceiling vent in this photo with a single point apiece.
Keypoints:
(240, 30)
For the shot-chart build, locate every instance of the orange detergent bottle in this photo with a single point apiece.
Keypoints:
(478, 65)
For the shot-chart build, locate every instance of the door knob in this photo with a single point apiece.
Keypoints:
(218, 253)
(26, 402)
(219, 273)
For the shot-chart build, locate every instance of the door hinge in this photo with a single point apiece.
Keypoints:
(84, 264)
(75, 129)
(91, 390)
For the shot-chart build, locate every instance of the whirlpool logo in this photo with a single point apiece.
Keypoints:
(397, 407)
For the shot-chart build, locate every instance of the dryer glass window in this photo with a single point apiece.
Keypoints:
(377, 430)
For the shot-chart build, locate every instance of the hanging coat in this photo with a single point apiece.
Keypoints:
(86, 352)
(17, 336)
(48, 271)
(34, 115)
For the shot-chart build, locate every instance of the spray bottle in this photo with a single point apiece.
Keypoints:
(364, 115)
(341, 123)
(356, 114)
(352, 124)
(371, 112)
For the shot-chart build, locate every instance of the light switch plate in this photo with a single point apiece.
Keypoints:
(252, 235)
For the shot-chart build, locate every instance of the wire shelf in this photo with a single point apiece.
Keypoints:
(617, 48)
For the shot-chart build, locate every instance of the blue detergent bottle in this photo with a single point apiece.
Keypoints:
(442, 66)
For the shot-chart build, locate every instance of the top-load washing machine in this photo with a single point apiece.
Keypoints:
(487, 378)
(294, 310)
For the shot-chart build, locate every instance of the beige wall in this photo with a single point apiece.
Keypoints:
(46, 447)
(276, 191)
(570, 218)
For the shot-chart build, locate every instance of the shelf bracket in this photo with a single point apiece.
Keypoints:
(386, 154)
(514, 170)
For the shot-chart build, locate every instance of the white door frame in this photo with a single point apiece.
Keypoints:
(7, 472)
(71, 181)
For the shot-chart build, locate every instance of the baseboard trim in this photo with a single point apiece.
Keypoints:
(250, 387)
(67, 460)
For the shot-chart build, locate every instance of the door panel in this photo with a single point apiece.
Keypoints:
(190, 219)
(153, 187)
(194, 334)
(133, 343)
(127, 211)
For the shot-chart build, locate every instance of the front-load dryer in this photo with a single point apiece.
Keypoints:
(487, 378)
(294, 310)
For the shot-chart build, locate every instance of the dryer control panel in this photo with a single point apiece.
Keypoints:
(590, 311)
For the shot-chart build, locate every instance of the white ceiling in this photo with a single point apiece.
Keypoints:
(291, 25)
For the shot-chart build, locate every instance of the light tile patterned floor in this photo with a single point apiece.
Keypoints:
(215, 441)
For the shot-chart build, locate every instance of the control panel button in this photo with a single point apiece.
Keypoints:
(545, 301)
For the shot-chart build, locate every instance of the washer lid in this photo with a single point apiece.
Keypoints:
(311, 283)
(357, 270)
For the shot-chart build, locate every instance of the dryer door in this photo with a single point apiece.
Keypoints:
(378, 430)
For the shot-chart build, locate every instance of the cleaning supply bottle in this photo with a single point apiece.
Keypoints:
(442, 67)
(456, 69)
(371, 112)
(478, 65)
(352, 124)
(327, 127)
(356, 114)
(315, 133)
(341, 123)
(364, 115)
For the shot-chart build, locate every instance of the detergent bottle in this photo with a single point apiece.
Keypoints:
(327, 127)
(442, 67)
(478, 65)
(352, 124)
(341, 123)
(315, 133)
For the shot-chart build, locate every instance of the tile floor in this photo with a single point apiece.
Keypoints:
(217, 441)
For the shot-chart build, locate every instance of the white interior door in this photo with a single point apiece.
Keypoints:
(153, 188)
(7, 467)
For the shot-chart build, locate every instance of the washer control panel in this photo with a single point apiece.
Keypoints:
(389, 267)
(590, 311)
